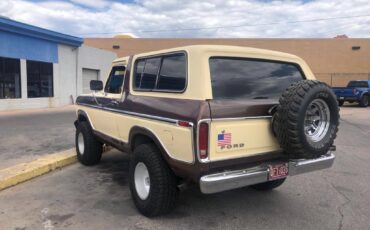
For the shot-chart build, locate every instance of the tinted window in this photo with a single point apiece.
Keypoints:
(358, 84)
(252, 79)
(10, 78)
(138, 72)
(173, 73)
(149, 75)
(39, 79)
(115, 80)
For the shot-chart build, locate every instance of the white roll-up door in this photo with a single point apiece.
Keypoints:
(87, 76)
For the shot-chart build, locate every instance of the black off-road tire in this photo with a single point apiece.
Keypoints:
(340, 102)
(269, 185)
(163, 192)
(290, 117)
(93, 149)
(364, 102)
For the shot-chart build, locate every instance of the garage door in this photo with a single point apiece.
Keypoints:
(87, 76)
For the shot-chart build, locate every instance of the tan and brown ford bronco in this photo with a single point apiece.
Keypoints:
(222, 117)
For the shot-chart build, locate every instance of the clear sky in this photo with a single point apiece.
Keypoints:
(195, 18)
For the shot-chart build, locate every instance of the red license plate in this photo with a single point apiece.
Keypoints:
(278, 171)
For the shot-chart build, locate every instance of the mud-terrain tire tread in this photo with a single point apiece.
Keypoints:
(363, 102)
(93, 148)
(163, 191)
(287, 122)
(268, 185)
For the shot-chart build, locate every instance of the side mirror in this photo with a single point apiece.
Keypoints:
(96, 85)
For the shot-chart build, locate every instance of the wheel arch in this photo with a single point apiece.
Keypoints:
(365, 93)
(82, 116)
(361, 101)
(140, 135)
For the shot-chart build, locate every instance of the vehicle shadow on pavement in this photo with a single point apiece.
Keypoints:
(113, 173)
(116, 165)
(72, 196)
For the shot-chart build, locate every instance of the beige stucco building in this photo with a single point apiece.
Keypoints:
(335, 61)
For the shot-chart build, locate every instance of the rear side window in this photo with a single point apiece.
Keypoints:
(150, 73)
(139, 68)
(166, 73)
(251, 79)
(173, 73)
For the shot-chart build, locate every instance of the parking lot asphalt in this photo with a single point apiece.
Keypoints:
(98, 197)
(27, 135)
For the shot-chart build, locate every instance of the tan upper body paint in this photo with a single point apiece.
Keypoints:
(253, 136)
(200, 88)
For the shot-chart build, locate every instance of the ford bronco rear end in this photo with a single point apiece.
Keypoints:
(220, 116)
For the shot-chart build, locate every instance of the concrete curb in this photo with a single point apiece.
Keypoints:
(26, 171)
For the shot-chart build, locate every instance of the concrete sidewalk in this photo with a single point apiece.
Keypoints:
(28, 135)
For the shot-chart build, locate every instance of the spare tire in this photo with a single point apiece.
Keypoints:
(306, 120)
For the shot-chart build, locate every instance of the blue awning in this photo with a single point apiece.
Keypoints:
(37, 32)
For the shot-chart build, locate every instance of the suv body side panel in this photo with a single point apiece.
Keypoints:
(187, 171)
(165, 128)
(98, 118)
(169, 135)
(178, 141)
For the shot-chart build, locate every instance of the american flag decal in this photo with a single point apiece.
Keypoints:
(224, 139)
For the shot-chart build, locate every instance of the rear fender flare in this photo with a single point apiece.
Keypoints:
(364, 93)
(138, 130)
(82, 116)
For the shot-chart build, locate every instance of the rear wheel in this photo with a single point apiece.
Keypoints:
(269, 185)
(364, 102)
(306, 120)
(88, 148)
(153, 185)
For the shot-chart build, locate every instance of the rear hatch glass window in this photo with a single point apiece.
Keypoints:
(241, 78)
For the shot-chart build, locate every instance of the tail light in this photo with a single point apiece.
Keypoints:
(203, 141)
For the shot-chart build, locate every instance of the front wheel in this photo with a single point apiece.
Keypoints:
(153, 185)
(88, 148)
(364, 102)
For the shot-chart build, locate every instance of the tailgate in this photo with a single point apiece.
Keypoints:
(244, 90)
(344, 92)
(241, 129)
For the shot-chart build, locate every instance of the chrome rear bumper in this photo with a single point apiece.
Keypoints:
(235, 179)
